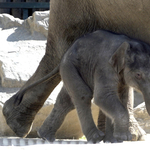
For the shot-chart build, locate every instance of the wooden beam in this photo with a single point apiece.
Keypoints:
(25, 5)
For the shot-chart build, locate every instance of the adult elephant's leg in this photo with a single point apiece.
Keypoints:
(101, 121)
(20, 118)
(53, 122)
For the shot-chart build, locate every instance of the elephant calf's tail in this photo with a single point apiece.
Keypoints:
(19, 96)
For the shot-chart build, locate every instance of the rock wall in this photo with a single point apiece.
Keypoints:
(22, 47)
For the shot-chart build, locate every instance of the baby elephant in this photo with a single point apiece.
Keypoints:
(106, 67)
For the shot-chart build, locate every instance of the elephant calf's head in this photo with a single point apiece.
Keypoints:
(133, 59)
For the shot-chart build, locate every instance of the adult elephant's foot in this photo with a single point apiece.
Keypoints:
(19, 118)
(138, 134)
(48, 136)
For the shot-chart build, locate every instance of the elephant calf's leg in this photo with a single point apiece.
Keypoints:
(105, 125)
(61, 108)
(138, 134)
(109, 103)
(81, 96)
(109, 138)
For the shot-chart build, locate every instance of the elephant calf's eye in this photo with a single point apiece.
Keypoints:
(138, 76)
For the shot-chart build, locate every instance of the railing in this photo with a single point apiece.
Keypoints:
(22, 9)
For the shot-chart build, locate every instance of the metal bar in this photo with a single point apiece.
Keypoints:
(25, 13)
(25, 5)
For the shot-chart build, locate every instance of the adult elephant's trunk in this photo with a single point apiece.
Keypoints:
(147, 101)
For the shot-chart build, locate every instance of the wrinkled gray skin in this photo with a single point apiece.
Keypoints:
(69, 20)
(107, 67)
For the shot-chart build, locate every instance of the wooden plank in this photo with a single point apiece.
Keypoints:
(44, 5)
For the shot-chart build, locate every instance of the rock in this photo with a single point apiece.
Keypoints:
(8, 21)
(142, 117)
(39, 22)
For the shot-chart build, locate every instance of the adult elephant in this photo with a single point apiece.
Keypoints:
(70, 19)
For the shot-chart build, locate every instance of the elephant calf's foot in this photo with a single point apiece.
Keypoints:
(110, 139)
(123, 136)
(95, 137)
(18, 118)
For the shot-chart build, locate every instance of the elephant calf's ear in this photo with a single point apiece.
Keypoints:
(118, 58)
